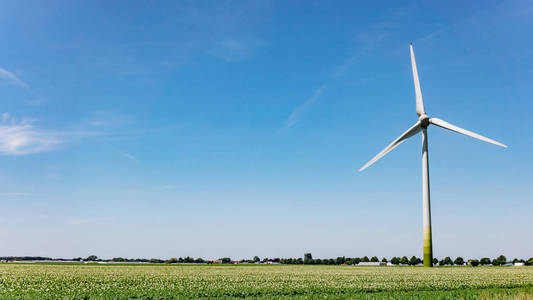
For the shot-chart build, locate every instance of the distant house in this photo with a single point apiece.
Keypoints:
(372, 263)
(518, 264)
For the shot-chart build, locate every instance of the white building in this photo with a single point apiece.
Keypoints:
(372, 263)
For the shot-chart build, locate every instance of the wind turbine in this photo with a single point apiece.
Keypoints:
(421, 125)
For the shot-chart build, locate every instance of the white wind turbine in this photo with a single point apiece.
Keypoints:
(421, 125)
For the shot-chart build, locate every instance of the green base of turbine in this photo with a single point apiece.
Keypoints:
(428, 248)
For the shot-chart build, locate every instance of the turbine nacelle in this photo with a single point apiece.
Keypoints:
(424, 120)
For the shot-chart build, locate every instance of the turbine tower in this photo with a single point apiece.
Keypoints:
(421, 125)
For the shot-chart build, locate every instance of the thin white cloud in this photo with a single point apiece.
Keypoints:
(221, 30)
(365, 44)
(24, 137)
(234, 49)
(108, 119)
(294, 117)
(5, 74)
(120, 152)
(5, 117)
(36, 102)
(20, 138)
(84, 221)
(126, 155)
(166, 187)
(21, 194)
(51, 175)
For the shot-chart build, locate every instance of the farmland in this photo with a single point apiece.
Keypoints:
(53, 281)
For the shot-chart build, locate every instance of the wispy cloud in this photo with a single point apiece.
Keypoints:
(233, 49)
(20, 138)
(36, 102)
(120, 152)
(365, 43)
(294, 117)
(160, 188)
(166, 187)
(51, 175)
(24, 137)
(104, 118)
(84, 221)
(5, 74)
(21, 194)
(226, 30)
(127, 155)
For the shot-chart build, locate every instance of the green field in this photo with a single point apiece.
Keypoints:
(49, 281)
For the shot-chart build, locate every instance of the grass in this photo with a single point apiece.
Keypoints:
(58, 281)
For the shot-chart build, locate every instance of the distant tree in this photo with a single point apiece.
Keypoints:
(442, 263)
(118, 259)
(156, 261)
(199, 260)
(226, 260)
(77, 259)
(308, 256)
(404, 260)
(181, 260)
(384, 260)
(91, 258)
(414, 261)
(485, 261)
(500, 260)
(395, 260)
(257, 259)
(365, 259)
(474, 262)
(374, 259)
(172, 260)
(356, 260)
(529, 262)
(459, 261)
(435, 261)
(448, 261)
(340, 260)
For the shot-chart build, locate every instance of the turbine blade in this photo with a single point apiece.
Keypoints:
(451, 127)
(418, 92)
(409, 133)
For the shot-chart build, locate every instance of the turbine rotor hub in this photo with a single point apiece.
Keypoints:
(424, 120)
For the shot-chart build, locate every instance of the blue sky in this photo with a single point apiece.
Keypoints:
(237, 128)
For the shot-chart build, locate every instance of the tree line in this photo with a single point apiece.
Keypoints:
(306, 260)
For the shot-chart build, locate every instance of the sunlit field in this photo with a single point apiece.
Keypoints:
(40, 281)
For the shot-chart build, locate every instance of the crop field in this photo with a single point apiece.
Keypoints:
(55, 281)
